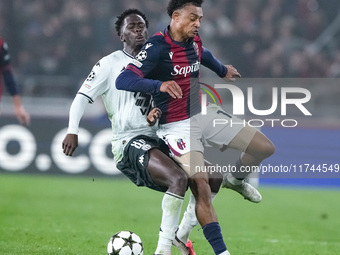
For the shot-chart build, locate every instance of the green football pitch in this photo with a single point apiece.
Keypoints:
(78, 215)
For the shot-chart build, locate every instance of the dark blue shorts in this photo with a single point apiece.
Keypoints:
(136, 159)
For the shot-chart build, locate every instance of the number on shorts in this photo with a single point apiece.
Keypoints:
(138, 143)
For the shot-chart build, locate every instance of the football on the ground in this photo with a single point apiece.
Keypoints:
(125, 243)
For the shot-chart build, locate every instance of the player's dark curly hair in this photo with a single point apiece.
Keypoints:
(121, 17)
(178, 4)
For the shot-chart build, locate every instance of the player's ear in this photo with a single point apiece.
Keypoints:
(175, 15)
(122, 38)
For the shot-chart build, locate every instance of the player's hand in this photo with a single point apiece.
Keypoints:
(232, 73)
(23, 117)
(172, 88)
(70, 144)
(153, 116)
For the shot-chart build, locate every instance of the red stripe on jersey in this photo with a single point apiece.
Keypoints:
(179, 105)
(135, 70)
(173, 150)
(198, 41)
(179, 109)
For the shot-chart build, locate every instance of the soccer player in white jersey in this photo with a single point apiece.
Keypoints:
(138, 153)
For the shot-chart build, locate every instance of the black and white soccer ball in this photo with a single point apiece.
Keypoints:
(125, 243)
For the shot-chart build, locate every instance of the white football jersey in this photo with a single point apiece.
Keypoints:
(127, 111)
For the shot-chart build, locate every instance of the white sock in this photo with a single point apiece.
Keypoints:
(189, 220)
(225, 253)
(171, 206)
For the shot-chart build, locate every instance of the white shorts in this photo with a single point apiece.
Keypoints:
(216, 129)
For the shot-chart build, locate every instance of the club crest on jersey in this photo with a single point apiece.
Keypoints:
(91, 76)
(141, 55)
(196, 48)
(181, 144)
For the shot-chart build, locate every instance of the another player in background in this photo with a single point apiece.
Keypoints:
(138, 152)
(167, 68)
(6, 73)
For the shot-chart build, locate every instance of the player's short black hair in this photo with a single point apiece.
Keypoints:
(178, 4)
(122, 16)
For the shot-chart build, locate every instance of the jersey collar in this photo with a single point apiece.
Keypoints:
(127, 54)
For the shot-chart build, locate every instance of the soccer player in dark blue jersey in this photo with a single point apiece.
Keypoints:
(138, 152)
(168, 68)
(6, 73)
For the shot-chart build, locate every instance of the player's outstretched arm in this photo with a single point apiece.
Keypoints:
(20, 112)
(227, 72)
(70, 142)
(23, 116)
(129, 80)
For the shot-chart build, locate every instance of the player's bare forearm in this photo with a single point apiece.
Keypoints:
(23, 117)
(70, 144)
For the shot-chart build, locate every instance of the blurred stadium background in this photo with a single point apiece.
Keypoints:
(54, 45)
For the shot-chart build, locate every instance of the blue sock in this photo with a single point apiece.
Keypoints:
(212, 233)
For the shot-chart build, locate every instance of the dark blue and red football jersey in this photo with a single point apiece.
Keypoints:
(2, 62)
(163, 59)
(5, 69)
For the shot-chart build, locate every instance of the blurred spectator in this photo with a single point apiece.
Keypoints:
(262, 38)
(7, 75)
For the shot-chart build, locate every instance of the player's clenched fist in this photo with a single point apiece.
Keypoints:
(172, 88)
(70, 144)
(153, 116)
